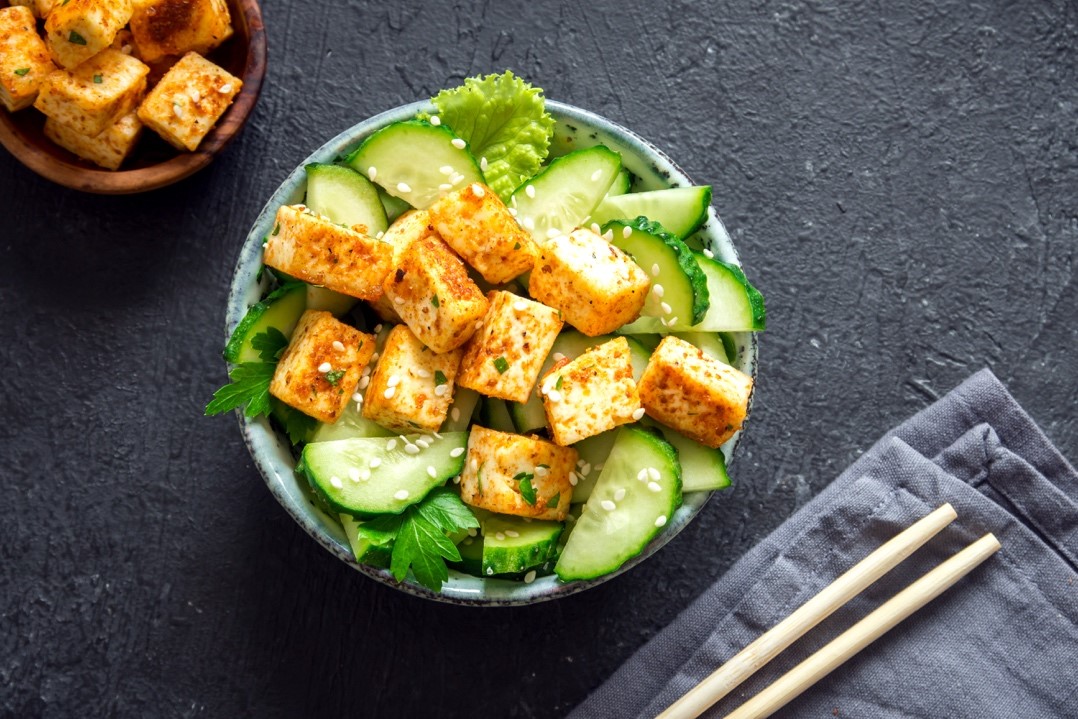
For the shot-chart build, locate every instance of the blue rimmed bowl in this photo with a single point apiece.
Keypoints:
(271, 450)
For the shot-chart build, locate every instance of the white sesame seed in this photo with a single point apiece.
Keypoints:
(529, 191)
(595, 228)
(455, 414)
(378, 328)
(456, 452)
(529, 223)
(512, 533)
(585, 468)
(364, 381)
(446, 170)
(638, 414)
(655, 487)
(375, 356)
(400, 494)
(422, 373)
(456, 177)
(513, 200)
(445, 186)
(411, 449)
(353, 474)
(393, 381)
(581, 462)
(658, 290)
(436, 435)
(620, 494)
(608, 505)
(490, 570)
(596, 175)
(435, 120)
(642, 474)
(672, 322)
(126, 49)
(483, 164)
(398, 300)
(475, 465)
(424, 443)
(477, 190)
(380, 235)
(654, 474)
(500, 536)
(667, 309)
(554, 395)
(336, 481)
(512, 211)
(660, 521)
(529, 577)
(441, 390)
(388, 394)
(431, 471)
(225, 89)
(357, 397)
(541, 471)
(391, 445)
(459, 143)
(573, 479)
(608, 235)
(403, 187)
(558, 356)
(375, 462)
(338, 345)
(194, 94)
(520, 305)
(655, 270)
(325, 367)
(709, 254)
(177, 110)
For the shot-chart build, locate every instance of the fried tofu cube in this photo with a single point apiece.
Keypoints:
(504, 356)
(321, 366)
(479, 227)
(24, 60)
(597, 287)
(591, 394)
(319, 252)
(512, 474)
(95, 94)
(411, 226)
(192, 96)
(125, 43)
(109, 149)
(76, 30)
(432, 292)
(697, 395)
(176, 27)
(40, 8)
(412, 386)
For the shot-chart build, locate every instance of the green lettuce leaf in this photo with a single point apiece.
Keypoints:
(503, 119)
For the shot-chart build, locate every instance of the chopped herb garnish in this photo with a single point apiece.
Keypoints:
(516, 246)
(439, 378)
(557, 385)
(501, 364)
(22, 71)
(276, 229)
(479, 477)
(76, 39)
(527, 491)
(522, 475)
(97, 79)
(434, 301)
(334, 376)
(553, 500)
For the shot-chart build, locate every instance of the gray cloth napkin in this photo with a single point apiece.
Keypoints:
(1003, 642)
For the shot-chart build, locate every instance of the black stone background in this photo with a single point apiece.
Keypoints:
(900, 179)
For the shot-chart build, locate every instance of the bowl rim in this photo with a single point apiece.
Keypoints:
(185, 164)
(258, 431)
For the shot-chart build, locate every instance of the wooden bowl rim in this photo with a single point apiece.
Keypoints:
(144, 179)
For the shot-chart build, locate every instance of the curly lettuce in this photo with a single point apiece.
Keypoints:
(504, 121)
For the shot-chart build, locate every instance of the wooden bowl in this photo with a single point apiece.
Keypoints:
(153, 163)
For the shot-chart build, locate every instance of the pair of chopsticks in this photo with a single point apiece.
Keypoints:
(746, 662)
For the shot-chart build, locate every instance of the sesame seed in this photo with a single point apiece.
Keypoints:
(483, 164)
(338, 345)
(456, 177)
(477, 190)
(459, 143)
(400, 494)
(660, 521)
(445, 186)
(638, 413)
(422, 373)
(435, 120)
(479, 325)
(456, 452)
(512, 533)
(654, 474)
(573, 479)
(529, 577)
(455, 414)
(364, 381)
(596, 175)
(380, 235)
(411, 449)
(388, 394)
(378, 328)
(585, 468)
(529, 191)
(672, 322)
(558, 356)
(642, 474)
(553, 232)
(225, 89)
(375, 462)
(658, 290)
(431, 471)
(391, 445)
(194, 94)
(709, 254)
(608, 505)
(325, 367)
(520, 306)
(667, 309)
(626, 232)
(620, 494)
(654, 487)
(357, 397)
(512, 211)
(398, 300)
(403, 187)
(446, 170)
(655, 270)
(581, 462)
(541, 471)
(393, 381)
(353, 474)
(424, 443)
(126, 49)
(595, 228)
(336, 481)
(475, 464)
(441, 390)
(490, 570)
(554, 395)
(500, 536)
(528, 222)
(375, 356)
(608, 235)
(372, 172)
(177, 110)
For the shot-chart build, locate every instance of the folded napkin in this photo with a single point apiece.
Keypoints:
(1003, 642)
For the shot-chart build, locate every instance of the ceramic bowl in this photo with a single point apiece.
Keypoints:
(271, 451)
(153, 163)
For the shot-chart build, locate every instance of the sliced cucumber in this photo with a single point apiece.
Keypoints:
(281, 310)
(408, 158)
(320, 298)
(461, 409)
(622, 184)
(345, 197)
(736, 306)
(528, 416)
(638, 357)
(471, 555)
(494, 414)
(685, 291)
(593, 452)
(512, 545)
(730, 345)
(624, 512)
(350, 425)
(338, 471)
(394, 206)
(680, 210)
(702, 468)
(562, 196)
(710, 342)
(364, 550)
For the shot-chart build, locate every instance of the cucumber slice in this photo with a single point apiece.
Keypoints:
(364, 550)
(623, 513)
(638, 357)
(685, 290)
(730, 345)
(736, 305)
(345, 197)
(281, 310)
(528, 416)
(680, 210)
(511, 545)
(394, 206)
(710, 342)
(319, 298)
(622, 184)
(350, 425)
(494, 414)
(593, 451)
(408, 157)
(471, 555)
(563, 194)
(461, 409)
(702, 468)
(398, 480)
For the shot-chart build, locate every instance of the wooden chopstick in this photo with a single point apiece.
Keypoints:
(872, 627)
(746, 662)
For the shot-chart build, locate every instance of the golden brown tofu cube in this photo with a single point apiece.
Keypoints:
(42, 8)
(411, 226)
(321, 366)
(76, 30)
(597, 287)
(504, 356)
(24, 60)
(433, 294)
(95, 94)
(478, 226)
(315, 250)
(189, 100)
(176, 27)
(591, 394)
(109, 149)
(412, 386)
(125, 43)
(695, 394)
(512, 474)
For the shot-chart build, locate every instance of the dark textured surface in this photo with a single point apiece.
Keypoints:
(901, 183)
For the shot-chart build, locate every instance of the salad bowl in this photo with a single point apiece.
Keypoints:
(575, 128)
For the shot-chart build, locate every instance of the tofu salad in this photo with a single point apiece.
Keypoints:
(491, 359)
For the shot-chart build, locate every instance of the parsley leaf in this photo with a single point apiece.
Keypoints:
(527, 491)
(249, 389)
(297, 425)
(334, 376)
(269, 344)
